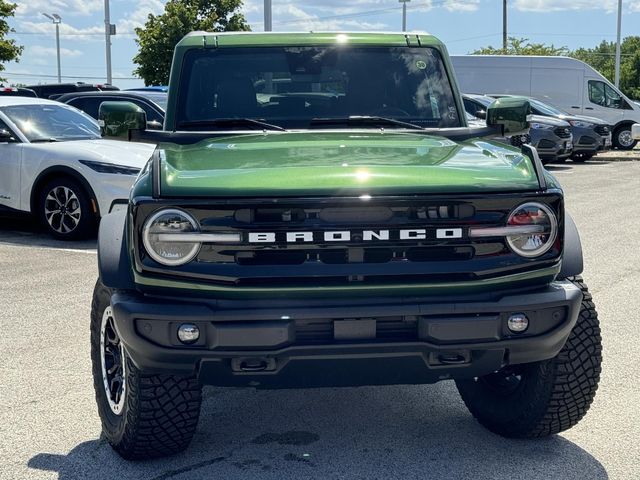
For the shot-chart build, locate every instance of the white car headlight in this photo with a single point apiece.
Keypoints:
(161, 227)
(542, 126)
(541, 226)
(581, 124)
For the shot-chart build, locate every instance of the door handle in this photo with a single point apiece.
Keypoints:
(574, 106)
(588, 108)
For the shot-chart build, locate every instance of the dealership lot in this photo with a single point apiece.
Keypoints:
(49, 427)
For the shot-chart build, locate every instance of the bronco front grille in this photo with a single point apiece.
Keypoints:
(435, 245)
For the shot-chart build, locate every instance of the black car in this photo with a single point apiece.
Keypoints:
(54, 90)
(153, 103)
(16, 92)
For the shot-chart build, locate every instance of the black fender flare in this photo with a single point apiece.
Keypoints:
(114, 266)
(621, 123)
(572, 260)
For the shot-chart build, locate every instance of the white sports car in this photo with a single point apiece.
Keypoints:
(54, 164)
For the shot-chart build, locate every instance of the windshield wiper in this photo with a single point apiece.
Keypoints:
(365, 120)
(222, 122)
(44, 140)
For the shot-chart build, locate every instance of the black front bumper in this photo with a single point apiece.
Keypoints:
(402, 341)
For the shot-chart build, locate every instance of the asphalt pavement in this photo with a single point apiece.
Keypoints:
(49, 428)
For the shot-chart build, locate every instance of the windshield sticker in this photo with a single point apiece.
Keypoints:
(421, 64)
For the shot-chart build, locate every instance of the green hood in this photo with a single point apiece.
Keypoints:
(342, 163)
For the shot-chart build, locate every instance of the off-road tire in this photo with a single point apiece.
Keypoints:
(160, 412)
(88, 221)
(552, 395)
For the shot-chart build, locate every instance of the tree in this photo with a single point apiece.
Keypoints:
(161, 33)
(9, 50)
(522, 46)
(603, 59)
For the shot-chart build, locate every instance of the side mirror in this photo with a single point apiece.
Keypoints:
(481, 114)
(635, 131)
(154, 125)
(6, 136)
(117, 119)
(510, 114)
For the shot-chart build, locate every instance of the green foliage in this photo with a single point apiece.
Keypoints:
(603, 59)
(522, 46)
(9, 50)
(161, 33)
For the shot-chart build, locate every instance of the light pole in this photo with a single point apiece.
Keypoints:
(504, 26)
(404, 14)
(267, 16)
(618, 44)
(109, 29)
(56, 19)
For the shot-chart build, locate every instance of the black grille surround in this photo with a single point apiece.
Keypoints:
(603, 130)
(562, 132)
(356, 262)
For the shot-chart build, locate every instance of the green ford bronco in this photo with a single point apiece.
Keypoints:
(318, 212)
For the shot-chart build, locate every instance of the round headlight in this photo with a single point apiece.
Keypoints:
(537, 243)
(157, 233)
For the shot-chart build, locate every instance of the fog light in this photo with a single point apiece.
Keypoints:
(188, 333)
(518, 322)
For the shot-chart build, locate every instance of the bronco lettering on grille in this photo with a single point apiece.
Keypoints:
(360, 235)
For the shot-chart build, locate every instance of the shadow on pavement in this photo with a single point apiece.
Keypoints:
(24, 231)
(385, 432)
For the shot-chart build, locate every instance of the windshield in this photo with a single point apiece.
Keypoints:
(546, 109)
(52, 122)
(291, 86)
(159, 98)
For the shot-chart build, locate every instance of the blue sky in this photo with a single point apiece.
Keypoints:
(462, 25)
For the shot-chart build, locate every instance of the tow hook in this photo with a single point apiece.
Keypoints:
(450, 358)
(253, 364)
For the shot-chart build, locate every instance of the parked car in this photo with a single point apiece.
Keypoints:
(55, 165)
(591, 135)
(152, 102)
(551, 137)
(49, 90)
(16, 92)
(569, 84)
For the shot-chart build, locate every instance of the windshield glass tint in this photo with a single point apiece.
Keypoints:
(289, 86)
(158, 98)
(40, 122)
(546, 109)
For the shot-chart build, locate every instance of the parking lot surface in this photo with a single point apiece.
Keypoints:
(49, 427)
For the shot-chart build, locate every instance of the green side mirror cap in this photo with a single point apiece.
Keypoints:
(511, 114)
(117, 119)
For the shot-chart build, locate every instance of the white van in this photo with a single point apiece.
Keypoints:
(565, 82)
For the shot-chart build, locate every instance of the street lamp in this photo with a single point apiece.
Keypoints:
(57, 20)
(404, 14)
(109, 31)
(268, 16)
(617, 74)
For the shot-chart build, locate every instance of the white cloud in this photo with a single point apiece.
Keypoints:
(543, 6)
(462, 6)
(48, 52)
(138, 17)
(62, 7)
(68, 32)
